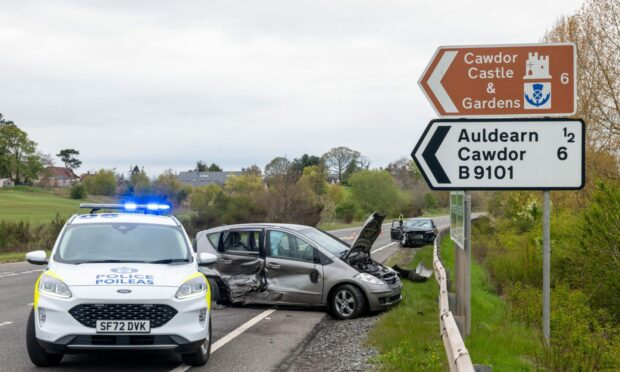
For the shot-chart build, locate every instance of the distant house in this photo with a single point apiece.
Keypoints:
(57, 177)
(195, 178)
(6, 182)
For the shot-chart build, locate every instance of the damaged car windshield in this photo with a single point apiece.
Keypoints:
(418, 223)
(326, 241)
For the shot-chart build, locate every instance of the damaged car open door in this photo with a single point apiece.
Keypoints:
(396, 230)
(241, 261)
(293, 269)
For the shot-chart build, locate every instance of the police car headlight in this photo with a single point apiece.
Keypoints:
(192, 288)
(54, 287)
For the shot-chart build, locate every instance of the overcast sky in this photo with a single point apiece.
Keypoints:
(165, 83)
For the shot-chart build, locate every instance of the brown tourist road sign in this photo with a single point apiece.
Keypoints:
(502, 80)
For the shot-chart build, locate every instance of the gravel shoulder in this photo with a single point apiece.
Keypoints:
(335, 345)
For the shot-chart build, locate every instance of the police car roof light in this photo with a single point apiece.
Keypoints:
(128, 207)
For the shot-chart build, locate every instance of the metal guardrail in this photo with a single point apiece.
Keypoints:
(458, 356)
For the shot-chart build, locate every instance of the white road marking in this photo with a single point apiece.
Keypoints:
(382, 248)
(229, 337)
(15, 273)
(5, 323)
(31, 304)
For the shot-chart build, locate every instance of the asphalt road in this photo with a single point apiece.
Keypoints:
(245, 338)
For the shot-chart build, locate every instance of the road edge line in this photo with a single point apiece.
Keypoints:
(230, 336)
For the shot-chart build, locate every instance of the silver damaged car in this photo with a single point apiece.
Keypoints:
(284, 264)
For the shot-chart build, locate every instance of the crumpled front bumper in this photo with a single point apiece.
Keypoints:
(384, 299)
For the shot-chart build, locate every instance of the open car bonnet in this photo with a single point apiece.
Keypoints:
(370, 232)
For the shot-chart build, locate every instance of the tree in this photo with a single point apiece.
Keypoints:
(316, 178)
(252, 169)
(170, 188)
(17, 151)
(338, 159)
(201, 166)
(279, 166)
(595, 28)
(215, 168)
(299, 164)
(139, 183)
(404, 172)
(101, 183)
(375, 190)
(69, 158)
(248, 184)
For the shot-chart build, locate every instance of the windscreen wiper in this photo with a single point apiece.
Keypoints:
(168, 261)
(107, 261)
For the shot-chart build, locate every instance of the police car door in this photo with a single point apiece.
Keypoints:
(293, 268)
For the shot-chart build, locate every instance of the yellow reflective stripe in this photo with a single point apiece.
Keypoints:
(36, 292)
(198, 274)
(36, 285)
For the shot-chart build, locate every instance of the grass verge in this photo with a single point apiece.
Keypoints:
(407, 336)
(496, 338)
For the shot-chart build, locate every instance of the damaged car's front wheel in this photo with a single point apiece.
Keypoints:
(347, 302)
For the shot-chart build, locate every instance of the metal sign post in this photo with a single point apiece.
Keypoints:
(546, 290)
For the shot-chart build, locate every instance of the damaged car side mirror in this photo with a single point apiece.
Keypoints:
(206, 258)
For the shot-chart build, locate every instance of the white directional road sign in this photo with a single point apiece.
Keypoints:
(528, 154)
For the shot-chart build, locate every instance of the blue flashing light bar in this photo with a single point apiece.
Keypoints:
(130, 207)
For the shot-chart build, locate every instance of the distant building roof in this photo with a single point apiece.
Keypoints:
(195, 178)
(60, 173)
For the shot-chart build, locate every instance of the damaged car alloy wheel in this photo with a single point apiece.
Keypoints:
(347, 302)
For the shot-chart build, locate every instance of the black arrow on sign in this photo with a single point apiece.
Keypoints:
(431, 150)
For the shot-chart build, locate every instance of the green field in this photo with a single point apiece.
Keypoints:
(407, 337)
(35, 205)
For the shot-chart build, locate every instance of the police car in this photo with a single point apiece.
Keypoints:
(126, 280)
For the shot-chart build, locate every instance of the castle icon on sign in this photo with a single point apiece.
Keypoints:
(537, 67)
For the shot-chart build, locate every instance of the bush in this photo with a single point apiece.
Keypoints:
(346, 211)
(582, 339)
(430, 201)
(375, 190)
(21, 236)
(78, 191)
(101, 183)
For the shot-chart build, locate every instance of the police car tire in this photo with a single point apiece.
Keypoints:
(38, 355)
(199, 358)
(215, 290)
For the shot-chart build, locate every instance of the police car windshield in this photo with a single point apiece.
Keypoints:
(122, 242)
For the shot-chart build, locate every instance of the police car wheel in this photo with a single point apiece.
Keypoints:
(200, 357)
(38, 356)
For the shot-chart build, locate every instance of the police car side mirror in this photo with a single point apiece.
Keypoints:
(37, 257)
(206, 258)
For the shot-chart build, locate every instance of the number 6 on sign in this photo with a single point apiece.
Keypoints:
(562, 155)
